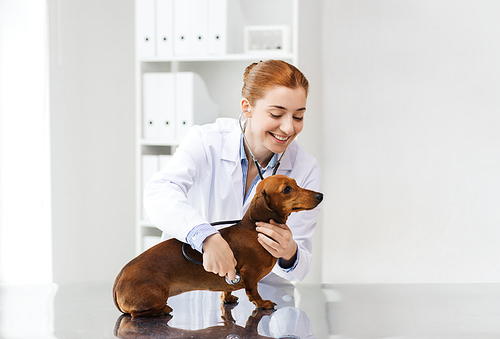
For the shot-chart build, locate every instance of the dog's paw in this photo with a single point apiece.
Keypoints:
(266, 305)
(230, 299)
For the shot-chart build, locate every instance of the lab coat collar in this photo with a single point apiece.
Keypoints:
(231, 151)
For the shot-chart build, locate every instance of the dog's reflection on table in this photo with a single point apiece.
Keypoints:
(194, 317)
(157, 327)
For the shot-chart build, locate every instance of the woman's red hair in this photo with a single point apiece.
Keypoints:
(262, 76)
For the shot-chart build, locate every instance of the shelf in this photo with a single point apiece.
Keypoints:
(144, 142)
(226, 57)
(149, 224)
(222, 75)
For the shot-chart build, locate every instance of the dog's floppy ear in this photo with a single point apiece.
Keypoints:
(260, 211)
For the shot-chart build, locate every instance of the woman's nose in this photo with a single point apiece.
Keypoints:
(287, 125)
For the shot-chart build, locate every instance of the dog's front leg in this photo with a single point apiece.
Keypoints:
(254, 320)
(228, 298)
(253, 294)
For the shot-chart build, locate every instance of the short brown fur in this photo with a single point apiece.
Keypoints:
(143, 286)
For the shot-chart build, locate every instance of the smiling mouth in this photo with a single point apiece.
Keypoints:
(280, 138)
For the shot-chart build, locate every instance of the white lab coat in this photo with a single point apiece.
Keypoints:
(203, 182)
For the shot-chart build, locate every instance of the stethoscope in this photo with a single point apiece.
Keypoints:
(237, 278)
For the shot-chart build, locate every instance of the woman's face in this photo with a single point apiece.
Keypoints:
(276, 119)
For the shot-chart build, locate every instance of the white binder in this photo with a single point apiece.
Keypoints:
(164, 159)
(164, 28)
(150, 106)
(199, 19)
(182, 27)
(145, 38)
(193, 103)
(166, 107)
(150, 165)
(217, 27)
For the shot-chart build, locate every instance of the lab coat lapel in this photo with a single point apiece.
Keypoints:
(232, 163)
(285, 165)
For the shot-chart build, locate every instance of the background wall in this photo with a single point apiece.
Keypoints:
(311, 137)
(92, 137)
(25, 227)
(411, 117)
(402, 115)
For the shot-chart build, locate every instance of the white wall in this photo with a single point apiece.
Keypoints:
(25, 233)
(311, 137)
(411, 120)
(92, 137)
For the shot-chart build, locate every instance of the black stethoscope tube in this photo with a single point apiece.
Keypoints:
(255, 161)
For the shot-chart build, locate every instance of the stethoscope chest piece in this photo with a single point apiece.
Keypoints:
(237, 279)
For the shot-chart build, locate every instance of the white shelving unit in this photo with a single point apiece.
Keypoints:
(222, 74)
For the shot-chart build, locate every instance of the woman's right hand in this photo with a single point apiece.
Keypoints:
(218, 257)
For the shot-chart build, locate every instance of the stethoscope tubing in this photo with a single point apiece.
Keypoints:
(255, 161)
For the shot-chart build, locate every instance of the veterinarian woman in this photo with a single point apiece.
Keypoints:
(212, 176)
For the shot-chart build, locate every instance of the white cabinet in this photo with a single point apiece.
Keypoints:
(190, 59)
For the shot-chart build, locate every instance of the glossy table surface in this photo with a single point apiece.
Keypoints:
(86, 310)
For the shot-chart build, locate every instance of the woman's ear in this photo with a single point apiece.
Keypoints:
(246, 108)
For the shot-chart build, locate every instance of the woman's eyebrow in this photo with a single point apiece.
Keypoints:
(284, 108)
(278, 107)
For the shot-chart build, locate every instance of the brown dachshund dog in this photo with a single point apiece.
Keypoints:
(143, 286)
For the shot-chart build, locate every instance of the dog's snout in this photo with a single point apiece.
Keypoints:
(319, 197)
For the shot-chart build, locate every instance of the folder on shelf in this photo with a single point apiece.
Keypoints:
(164, 28)
(182, 27)
(164, 159)
(172, 103)
(166, 107)
(150, 106)
(145, 39)
(217, 27)
(199, 19)
(150, 165)
(192, 102)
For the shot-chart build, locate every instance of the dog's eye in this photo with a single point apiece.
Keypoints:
(287, 190)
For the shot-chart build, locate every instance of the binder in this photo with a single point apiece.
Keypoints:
(145, 38)
(192, 102)
(183, 103)
(150, 106)
(164, 159)
(182, 27)
(164, 28)
(166, 107)
(199, 19)
(217, 27)
(150, 165)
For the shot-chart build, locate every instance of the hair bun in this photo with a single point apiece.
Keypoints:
(248, 70)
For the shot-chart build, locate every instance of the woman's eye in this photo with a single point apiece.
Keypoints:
(287, 190)
(298, 118)
(276, 116)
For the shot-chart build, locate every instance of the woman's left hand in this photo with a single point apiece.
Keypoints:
(277, 239)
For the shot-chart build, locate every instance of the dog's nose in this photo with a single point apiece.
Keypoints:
(319, 197)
